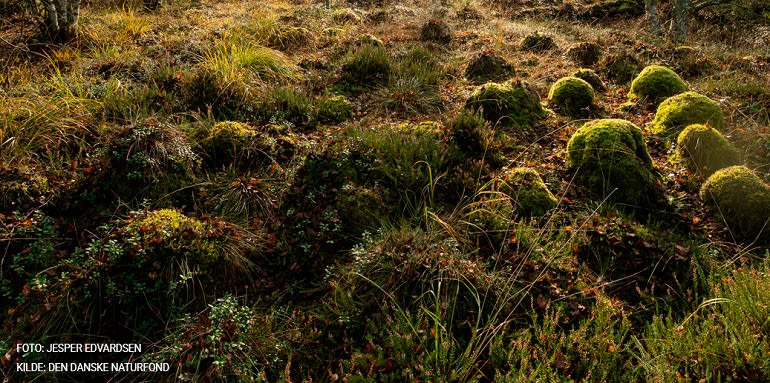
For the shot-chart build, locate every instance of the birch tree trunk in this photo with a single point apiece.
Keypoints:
(679, 17)
(651, 10)
(58, 18)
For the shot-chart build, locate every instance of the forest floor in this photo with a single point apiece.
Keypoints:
(296, 191)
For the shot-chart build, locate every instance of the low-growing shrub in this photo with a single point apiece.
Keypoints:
(436, 31)
(620, 67)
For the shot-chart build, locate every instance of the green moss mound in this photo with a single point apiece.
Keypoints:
(573, 96)
(656, 83)
(705, 150)
(334, 109)
(529, 194)
(684, 109)
(225, 141)
(511, 104)
(742, 200)
(488, 66)
(611, 161)
(590, 76)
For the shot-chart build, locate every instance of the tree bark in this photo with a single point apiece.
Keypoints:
(679, 19)
(651, 10)
(58, 18)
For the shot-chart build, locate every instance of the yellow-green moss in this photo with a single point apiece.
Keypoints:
(742, 200)
(164, 224)
(529, 194)
(573, 96)
(368, 39)
(656, 83)
(512, 103)
(334, 109)
(684, 109)
(590, 76)
(225, 141)
(705, 150)
(610, 160)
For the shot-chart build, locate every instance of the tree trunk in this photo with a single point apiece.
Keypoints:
(651, 10)
(679, 19)
(58, 18)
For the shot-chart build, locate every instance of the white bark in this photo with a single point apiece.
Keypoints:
(58, 18)
(651, 9)
(679, 19)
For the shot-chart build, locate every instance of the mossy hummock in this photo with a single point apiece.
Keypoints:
(334, 109)
(488, 66)
(226, 140)
(584, 53)
(656, 83)
(573, 96)
(610, 159)
(511, 104)
(537, 42)
(590, 76)
(684, 109)
(705, 150)
(742, 200)
(529, 194)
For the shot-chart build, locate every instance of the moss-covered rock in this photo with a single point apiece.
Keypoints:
(529, 194)
(656, 83)
(742, 200)
(610, 159)
(511, 103)
(488, 66)
(584, 53)
(573, 96)
(684, 109)
(705, 150)
(590, 76)
(537, 42)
